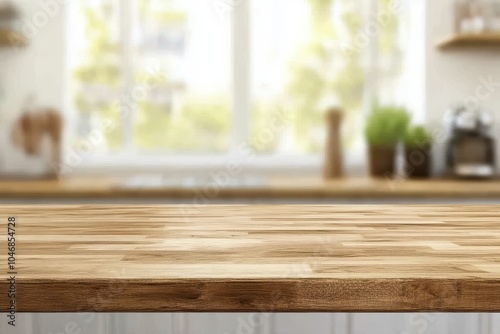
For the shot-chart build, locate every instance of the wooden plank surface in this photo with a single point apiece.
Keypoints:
(471, 40)
(284, 187)
(254, 258)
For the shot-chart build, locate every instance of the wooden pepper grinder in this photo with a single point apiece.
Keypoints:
(334, 167)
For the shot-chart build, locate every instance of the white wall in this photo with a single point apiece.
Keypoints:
(37, 70)
(255, 323)
(455, 75)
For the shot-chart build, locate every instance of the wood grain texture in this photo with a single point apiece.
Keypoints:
(471, 40)
(285, 187)
(10, 38)
(255, 258)
(333, 164)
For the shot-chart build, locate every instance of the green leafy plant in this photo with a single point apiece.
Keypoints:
(417, 136)
(386, 125)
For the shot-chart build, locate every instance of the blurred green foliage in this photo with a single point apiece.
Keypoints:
(167, 17)
(99, 73)
(417, 136)
(317, 70)
(100, 69)
(386, 125)
(201, 124)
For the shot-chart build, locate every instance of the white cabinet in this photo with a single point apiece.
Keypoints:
(68, 323)
(494, 324)
(125, 323)
(254, 323)
(56, 323)
(223, 323)
(296, 323)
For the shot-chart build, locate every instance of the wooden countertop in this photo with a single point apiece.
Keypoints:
(299, 187)
(254, 258)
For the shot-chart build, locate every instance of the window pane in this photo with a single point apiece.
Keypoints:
(95, 62)
(299, 69)
(182, 64)
(393, 35)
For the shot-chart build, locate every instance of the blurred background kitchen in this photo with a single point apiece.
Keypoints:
(324, 100)
(251, 101)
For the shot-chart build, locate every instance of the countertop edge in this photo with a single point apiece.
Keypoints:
(260, 295)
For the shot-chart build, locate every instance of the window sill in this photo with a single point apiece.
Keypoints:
(202, 165)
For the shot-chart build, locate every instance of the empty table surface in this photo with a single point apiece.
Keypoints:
(254, 258)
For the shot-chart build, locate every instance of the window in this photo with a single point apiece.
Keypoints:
(158, 71)
(202, 77)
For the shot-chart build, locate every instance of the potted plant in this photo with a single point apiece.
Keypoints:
(385, 128)
(418, 143)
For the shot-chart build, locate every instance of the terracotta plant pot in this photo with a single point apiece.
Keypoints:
(418, 161)
(382, 161)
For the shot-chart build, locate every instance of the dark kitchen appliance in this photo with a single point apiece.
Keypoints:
(470, 151)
